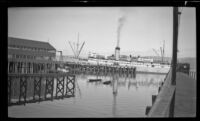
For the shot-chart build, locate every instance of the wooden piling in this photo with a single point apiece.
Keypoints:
(60, 87)
(153, 98)
(49, 87)
(37, 88)
(148, 108)
(23, 89)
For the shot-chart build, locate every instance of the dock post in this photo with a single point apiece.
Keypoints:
(159, 88)
(9, 89)
(37, 87)
(70, 89)
(153, 98)
(148, 108)
(172, 104)
(8, 66)
(49, 87)
(60, 86)
(23, 89)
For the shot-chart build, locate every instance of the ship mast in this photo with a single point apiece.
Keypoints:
(76, 50)
(163, 51)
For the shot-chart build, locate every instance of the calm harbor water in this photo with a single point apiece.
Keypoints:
(124, 97)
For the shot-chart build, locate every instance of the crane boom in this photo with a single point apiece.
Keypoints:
(75, 47)
(72, 49)
(81, 49)
(156, 52)
(161, 53)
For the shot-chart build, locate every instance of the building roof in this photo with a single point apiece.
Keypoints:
(29, 43)
(28, 52)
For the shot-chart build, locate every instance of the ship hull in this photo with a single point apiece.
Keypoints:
(140, 67)
(152, 70)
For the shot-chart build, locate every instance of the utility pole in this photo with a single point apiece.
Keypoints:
(175, 41)
(174, 58)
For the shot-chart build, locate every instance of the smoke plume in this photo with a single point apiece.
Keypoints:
(121, 21)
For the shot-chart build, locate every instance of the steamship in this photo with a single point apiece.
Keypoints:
(143, 65)
(146, 65)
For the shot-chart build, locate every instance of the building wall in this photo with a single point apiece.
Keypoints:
(20, 59)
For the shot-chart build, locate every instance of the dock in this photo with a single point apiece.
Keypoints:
(177, 95)
(185, 97)
(31, 88)
(97, 69)
(174, 101)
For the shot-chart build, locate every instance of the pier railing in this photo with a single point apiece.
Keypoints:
(192, 74)
(31, 88)
(163, 103)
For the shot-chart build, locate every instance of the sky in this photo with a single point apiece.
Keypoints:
(142, 29)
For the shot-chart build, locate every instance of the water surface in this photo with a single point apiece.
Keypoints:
(124, 97)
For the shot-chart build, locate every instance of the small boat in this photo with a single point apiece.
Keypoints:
(107, 82)
(94, 80)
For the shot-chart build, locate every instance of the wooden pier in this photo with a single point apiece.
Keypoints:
(32, 66)
(31, 88)
(174, 101)
(100, 69)
(185, 97)
(177, 96)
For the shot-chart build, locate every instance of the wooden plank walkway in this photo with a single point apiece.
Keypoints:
(161, 105)
(185, 98)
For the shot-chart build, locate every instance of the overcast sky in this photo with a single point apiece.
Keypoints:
(143, 28)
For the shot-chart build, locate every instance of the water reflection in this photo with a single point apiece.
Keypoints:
(115, 81)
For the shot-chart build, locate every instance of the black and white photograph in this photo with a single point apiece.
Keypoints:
(101, 62)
